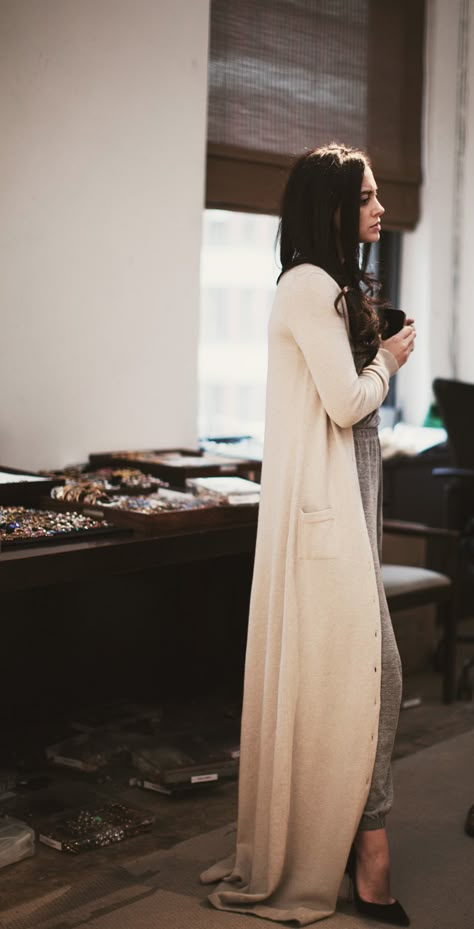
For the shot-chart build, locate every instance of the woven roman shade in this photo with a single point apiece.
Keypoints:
(288, 75)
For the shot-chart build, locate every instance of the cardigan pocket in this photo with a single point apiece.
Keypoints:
(317, 533)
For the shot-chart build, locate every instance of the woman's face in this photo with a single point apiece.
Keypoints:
(371, 210)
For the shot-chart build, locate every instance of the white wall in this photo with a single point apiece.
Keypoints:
(102, 161)
(437, 259)
(465, 342)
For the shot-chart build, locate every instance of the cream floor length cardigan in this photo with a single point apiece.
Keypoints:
(312, 678)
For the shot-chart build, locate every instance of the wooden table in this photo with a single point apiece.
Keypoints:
(140, 617)
(120, 554)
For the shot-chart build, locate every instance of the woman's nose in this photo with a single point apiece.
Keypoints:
(379, 209)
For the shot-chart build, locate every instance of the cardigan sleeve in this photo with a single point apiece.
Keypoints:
(320, 332)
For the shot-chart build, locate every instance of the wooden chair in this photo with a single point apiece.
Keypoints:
(410, 586)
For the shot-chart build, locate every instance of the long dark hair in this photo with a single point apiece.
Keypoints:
(321, 183)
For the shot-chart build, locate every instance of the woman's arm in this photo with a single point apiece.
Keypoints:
(320, 332)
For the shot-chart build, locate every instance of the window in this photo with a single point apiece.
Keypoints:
(239, 268)
(238, 277)
(284, 77)
(288, 76)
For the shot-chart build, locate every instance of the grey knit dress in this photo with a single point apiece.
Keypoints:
(369, 467)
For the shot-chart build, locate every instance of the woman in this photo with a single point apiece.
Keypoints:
(322, 680)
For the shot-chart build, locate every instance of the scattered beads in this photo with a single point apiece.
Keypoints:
(84, 492)
(109, 479)
(98, 827)
(159, 503)
(18, 523)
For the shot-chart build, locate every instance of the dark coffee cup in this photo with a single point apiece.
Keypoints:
(391, 321)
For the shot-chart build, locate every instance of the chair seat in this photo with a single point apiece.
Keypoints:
(405, 579)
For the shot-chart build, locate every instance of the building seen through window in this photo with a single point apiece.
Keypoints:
(239, 269)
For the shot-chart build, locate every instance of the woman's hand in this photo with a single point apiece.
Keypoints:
(402, 343)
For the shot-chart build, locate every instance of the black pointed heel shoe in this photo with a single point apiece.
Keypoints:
(391, 913)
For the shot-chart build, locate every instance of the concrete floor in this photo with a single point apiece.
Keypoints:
(183, 817)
